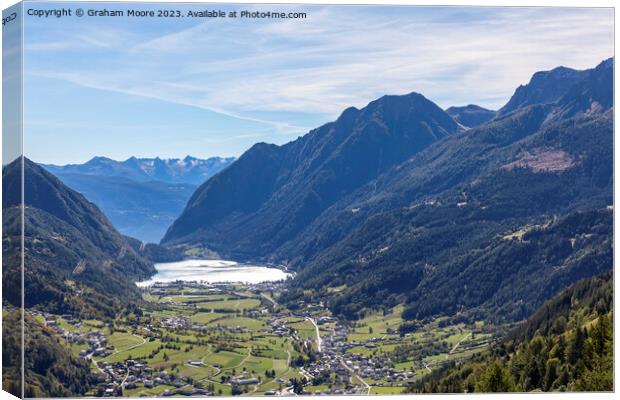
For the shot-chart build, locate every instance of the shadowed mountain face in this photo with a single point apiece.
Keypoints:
(544, 87)
(591, 95)
(188, 170)
(271, 193)
(76, 261)
(470, 115)
(438, 231)
(397, 205)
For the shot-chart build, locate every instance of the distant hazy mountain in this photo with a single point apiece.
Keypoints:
(272, 192)
(174, 170)
(143, 210)
(142, 197)
(394, 204)
(470, 115)
(70, 246)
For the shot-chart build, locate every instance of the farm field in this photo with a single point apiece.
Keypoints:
(235, 339)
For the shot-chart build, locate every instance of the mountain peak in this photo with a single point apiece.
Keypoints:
(544, 87)
(98, 159)
(297, 181)
(471, 115)
(409, 98)
(608, 63)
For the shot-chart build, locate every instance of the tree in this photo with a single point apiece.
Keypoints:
(236, 390)
(576, 349)
(553, 368)
(601, 335)
(495, 379)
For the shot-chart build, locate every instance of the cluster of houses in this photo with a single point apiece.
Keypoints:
(279, 327)
(179, 322)
(339, 364)
(376, 367)
(129, 373)
(182, 322)
(97, 343)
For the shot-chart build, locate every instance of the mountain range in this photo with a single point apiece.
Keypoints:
(272, 193)
(466, 214)
(141, 196)
(189, 170)
(397, 202)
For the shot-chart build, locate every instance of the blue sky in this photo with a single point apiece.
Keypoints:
(119, 87)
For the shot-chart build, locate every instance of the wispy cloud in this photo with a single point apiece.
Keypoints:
(275, 72)
(346, 56)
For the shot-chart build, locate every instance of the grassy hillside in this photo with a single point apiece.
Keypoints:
(567, 345)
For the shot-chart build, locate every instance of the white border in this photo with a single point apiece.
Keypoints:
(490, 3)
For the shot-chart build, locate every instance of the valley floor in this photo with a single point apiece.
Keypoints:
(192, 339)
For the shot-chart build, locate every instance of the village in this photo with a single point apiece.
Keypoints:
(210, 340)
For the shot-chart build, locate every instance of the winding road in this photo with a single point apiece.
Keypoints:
(458, 343)
(359, 378)
(319, 342)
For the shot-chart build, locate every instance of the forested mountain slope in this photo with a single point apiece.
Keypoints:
(483, 223)
(567, 345)
(76, 262)
(272, 193)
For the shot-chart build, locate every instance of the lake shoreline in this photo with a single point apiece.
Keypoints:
(216, 271)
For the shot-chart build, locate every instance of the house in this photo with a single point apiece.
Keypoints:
(247, 381)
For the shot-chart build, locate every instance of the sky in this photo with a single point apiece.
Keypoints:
(169, 87)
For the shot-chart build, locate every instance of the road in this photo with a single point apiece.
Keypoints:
(359, 378)
(426, 366)
(270, 299)
(319, 342)
(459, 342)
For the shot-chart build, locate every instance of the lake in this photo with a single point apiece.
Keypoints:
(214, 271)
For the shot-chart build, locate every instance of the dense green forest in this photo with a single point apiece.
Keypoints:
(567, 345)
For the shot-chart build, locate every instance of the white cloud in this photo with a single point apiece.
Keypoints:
(342, 56)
